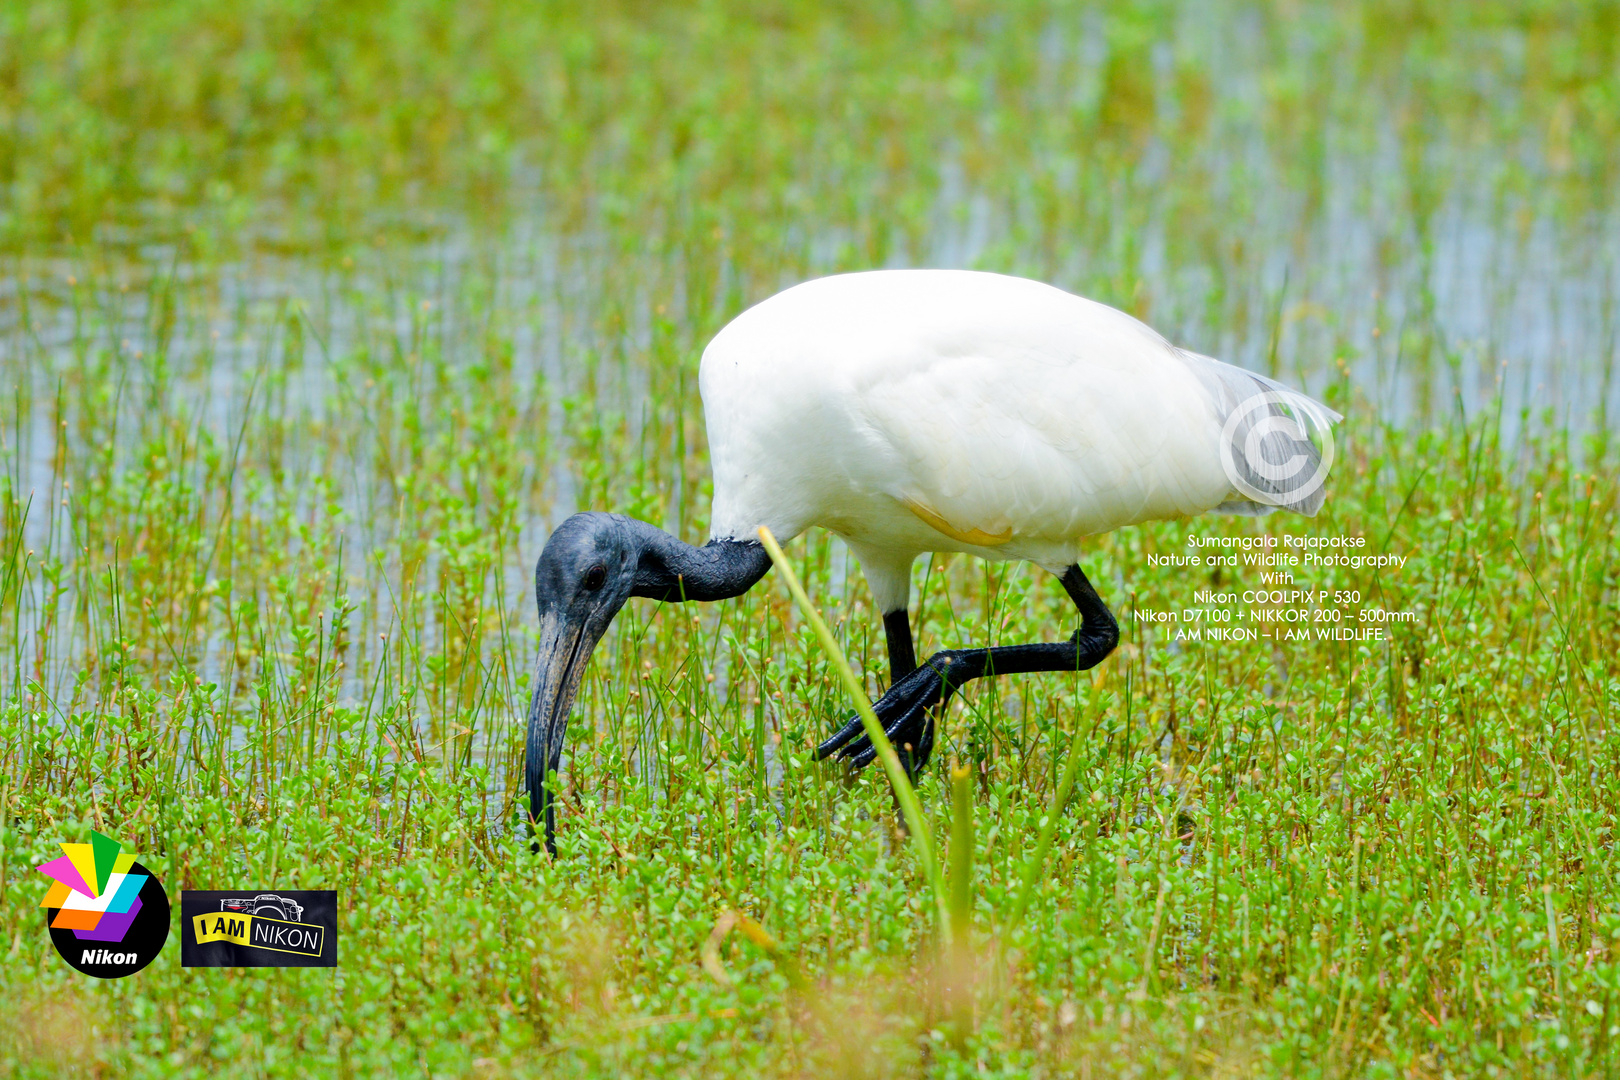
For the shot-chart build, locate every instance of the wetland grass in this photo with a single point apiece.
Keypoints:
(314, 319)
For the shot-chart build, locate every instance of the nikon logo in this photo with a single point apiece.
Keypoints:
(259, 932)
(101, 895)
(253, 928)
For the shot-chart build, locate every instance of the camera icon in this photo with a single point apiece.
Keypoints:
(269, 905)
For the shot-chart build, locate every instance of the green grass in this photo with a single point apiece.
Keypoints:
(313, 317)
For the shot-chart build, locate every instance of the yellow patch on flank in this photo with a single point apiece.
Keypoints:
(977, 537)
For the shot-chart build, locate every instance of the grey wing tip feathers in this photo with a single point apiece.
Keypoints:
(1276, 443)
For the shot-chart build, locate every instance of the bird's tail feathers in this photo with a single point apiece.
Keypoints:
(1276, 442)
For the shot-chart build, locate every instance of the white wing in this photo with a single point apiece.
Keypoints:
(1002, 413)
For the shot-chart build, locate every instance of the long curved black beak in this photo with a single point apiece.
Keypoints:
(565, 648)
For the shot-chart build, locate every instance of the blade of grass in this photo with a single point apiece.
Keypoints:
(961, 852)
(959, 970)
(903, 792)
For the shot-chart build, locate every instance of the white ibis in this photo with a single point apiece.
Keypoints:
(911, 411)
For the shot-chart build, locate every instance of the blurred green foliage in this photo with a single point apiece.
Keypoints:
(744, 115)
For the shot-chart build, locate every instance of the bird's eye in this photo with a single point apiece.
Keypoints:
(595, 576)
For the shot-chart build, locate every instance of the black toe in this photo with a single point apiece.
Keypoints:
(841, 737)
(907, 715)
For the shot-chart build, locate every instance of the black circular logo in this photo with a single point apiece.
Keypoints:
(111, 944)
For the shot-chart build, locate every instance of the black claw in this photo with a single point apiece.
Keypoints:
(907, 715)
(926, 747)
(841, 737)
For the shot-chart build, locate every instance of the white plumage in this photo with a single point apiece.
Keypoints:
(948, 410)
(929, 410)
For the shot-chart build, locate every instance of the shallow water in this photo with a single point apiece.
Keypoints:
(1506, 305)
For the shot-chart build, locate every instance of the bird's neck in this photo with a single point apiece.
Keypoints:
(672, 570)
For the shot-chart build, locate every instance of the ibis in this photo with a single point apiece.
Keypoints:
(913, 411)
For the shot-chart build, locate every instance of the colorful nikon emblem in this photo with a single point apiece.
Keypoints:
(108, 915)
(250, 928)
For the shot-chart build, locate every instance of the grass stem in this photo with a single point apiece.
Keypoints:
(959, 962)
(910, 810)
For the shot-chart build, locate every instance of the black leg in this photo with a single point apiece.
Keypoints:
(902, 657)
(907, 711)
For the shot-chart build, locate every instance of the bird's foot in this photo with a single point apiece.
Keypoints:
(907, 713)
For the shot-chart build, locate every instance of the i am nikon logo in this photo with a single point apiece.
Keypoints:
(260, 932)
(255, 928)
